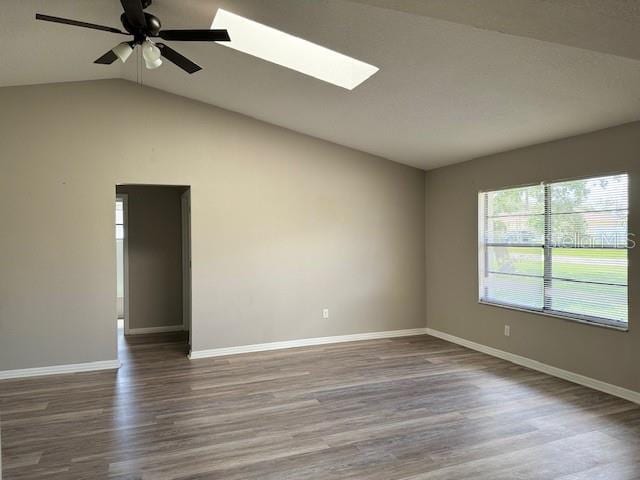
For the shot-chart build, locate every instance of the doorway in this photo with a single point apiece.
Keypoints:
(153, 274)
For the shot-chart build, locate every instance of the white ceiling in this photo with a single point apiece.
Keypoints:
(451, 85)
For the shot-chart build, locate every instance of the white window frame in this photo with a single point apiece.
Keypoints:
(547, 249)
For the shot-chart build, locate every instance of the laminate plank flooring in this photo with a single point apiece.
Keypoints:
(415, 408)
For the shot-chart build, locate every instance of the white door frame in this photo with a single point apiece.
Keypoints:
(124, 197)
(185, 202)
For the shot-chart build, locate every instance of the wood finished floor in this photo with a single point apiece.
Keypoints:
(411, 408)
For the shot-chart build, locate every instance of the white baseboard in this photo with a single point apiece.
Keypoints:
(614, 390)
(305, 342)
(58, 369)
(168, 328)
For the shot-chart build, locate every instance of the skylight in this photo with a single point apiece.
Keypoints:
(292, 52)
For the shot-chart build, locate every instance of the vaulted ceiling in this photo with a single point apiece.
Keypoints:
(457, 80)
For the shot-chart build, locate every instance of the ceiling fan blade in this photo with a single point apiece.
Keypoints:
(107, 59)
(135, 13)
(76, 23)
(214, 35)
(181, 61)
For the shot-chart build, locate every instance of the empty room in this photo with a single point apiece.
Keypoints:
(323, 240)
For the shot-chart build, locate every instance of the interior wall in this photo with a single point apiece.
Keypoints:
(154, 243)
(452, 264)
(283, 225)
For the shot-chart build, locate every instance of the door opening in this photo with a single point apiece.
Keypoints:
(153, 251)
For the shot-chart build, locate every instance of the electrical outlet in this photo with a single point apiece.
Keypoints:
(325, 313)
(507, 330)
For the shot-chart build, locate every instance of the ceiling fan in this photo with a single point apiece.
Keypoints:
(144, 27)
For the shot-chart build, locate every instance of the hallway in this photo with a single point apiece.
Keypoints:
(158, 349)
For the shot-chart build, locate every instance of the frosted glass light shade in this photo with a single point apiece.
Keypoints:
(123, 51)
(151, 55)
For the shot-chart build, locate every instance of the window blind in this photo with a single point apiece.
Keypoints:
(558, 248)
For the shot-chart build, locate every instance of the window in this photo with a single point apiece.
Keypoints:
(557, 248)
(119, 219)
(120, 256)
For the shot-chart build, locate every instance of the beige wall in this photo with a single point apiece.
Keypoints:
(155, 255)
(452, 287)
(283, 224)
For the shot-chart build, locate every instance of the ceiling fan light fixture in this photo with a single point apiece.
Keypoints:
(151, 54)
(142, 25)
(123, 51)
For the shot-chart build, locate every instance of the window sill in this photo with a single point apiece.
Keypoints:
(610, 326)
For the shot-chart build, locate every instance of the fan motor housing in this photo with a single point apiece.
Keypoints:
(153, 27)
(153, 24)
